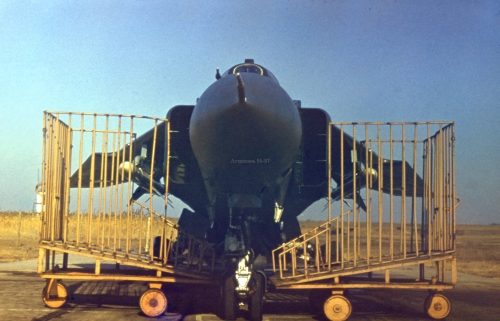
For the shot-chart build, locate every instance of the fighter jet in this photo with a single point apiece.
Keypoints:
(248, 160)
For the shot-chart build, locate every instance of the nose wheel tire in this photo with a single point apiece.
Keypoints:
(229, 297)
(57, 297)
(255, 303)
(153, 303)
(437, 306)
(337, 308)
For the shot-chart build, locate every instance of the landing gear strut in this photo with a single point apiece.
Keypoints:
(242, 283)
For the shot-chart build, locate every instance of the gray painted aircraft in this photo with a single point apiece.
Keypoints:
(248, 160)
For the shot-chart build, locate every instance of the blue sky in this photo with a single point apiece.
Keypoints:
(359, 60)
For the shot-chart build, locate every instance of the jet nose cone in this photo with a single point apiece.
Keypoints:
(241, 145)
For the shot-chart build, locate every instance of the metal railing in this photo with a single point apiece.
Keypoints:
(94, 167)
(395, 186)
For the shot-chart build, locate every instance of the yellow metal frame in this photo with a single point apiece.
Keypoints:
(101, 224)
(421, 232)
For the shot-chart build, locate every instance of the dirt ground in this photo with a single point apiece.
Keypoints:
(10, 251)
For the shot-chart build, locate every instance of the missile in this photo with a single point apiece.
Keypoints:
(141, 176)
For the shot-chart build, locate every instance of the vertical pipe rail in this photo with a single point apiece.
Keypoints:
(67, 171)
(391, 192)
(44, 185)
(122, 193)
(443, 194)
(90, 210)
(112, 199)
(128, 237)
(446, 178)
(342, 172)
(368, 184)
(101, 195)
(167, 169)
(59, 181)
(57, 164)
(354, 159)
(80, 174)
(50, 177)
(329, 197)
(380, 184)
(151, 175)
(104, 169)
(429, 190)
(453, 187)
(414, 196)
(403, 189)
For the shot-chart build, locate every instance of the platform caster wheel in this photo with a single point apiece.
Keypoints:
(153, 303)
(229, 297)
(57, 297)
(255, 303)
(337, 308)
(437, 306)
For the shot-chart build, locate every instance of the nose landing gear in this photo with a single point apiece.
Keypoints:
(242, 284)
(253, 296)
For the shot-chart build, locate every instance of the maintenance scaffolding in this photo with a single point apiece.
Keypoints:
(103, 224)
(405, 221)
(379, 220)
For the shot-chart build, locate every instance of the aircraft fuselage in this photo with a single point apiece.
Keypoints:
(245, 139)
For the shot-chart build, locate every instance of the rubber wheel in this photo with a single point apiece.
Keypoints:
(256, 303)
(437, 306)
(337, 308)
(153, 303)
(55, 300)
(229, 298)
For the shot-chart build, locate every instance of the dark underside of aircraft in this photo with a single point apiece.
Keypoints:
(247, 159)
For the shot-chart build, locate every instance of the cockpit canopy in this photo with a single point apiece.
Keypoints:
(250, 66)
